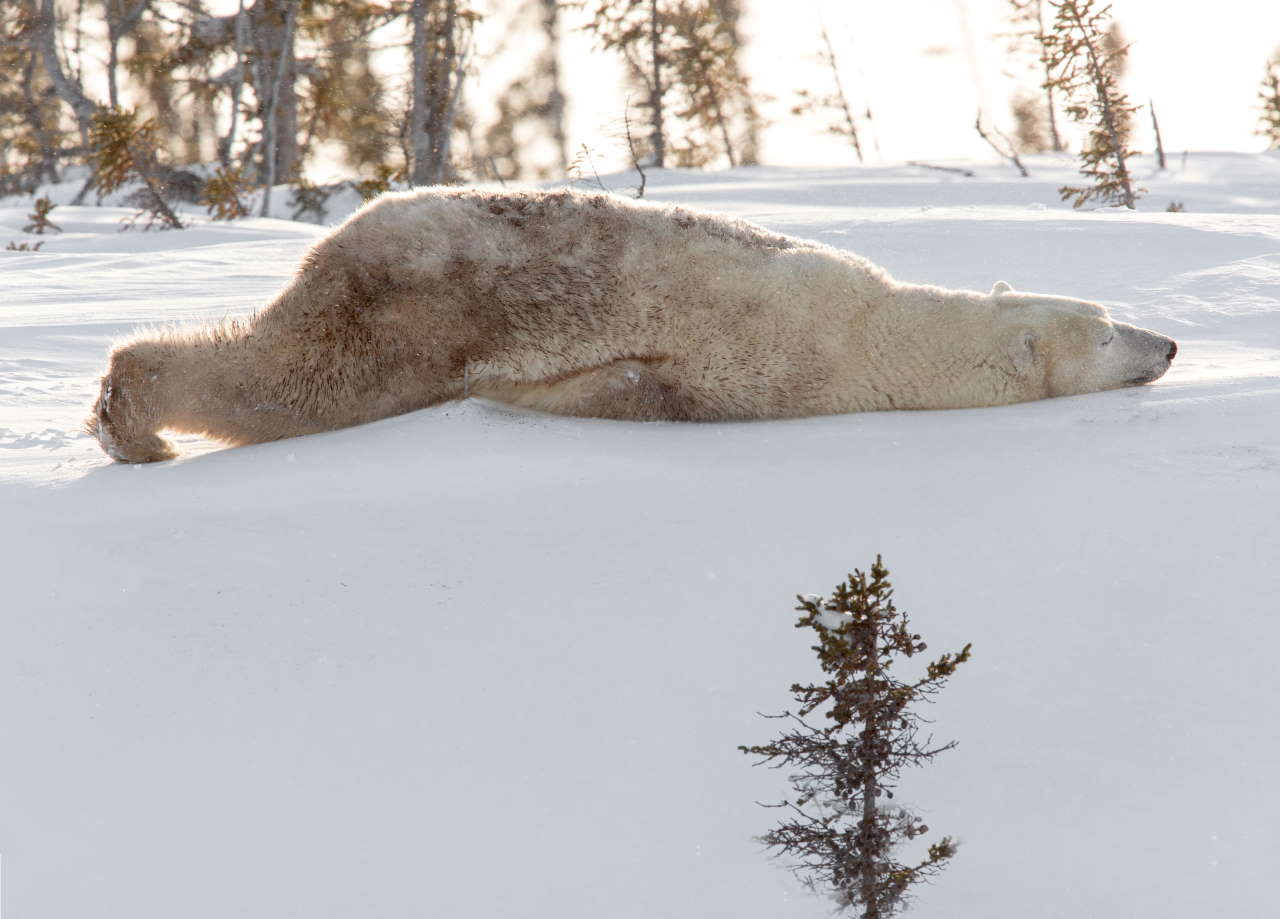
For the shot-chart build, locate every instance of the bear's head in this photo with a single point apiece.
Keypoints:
(1073, 346)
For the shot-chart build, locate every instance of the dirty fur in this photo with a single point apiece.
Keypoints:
(590, 305)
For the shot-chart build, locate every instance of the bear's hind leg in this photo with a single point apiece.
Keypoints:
(632, 389)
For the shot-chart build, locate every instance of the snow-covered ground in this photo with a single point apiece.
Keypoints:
(476, 662)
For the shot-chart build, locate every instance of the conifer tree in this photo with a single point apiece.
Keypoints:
(308, 199)
(224, 193)
(1269, 96)
(377, 184)
(683, 57)
(527, 139)
(1027, 19)
(32, 137)
(40, 222)
(714, 103)
(840, 831)
(635, 29)
(1115, 56)
(125, 150)
(1031, 132)
(344, 99)
(1084, 70)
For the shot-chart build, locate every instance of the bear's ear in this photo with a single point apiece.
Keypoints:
(1001, 287)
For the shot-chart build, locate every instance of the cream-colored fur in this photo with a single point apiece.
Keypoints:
(586, 304)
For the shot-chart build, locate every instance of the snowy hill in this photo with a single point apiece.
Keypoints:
(476, 662)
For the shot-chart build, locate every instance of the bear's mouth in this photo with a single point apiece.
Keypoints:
(1149, 377)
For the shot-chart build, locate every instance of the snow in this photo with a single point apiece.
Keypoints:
(477, 662)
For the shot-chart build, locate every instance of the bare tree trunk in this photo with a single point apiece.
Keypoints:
(31, 108)
(1048, 76)
(555, 100)
(868, 757)
(67, 90)
(655, 93)
(113, 59)
(850, 127)
(441, 117)
(272, 23)
(418, 111)
(119, 26)
(440, 67)
(284, 62)
(723, 124)
(1156, 125)
(748, 153)
(77, 49)
(226, 144)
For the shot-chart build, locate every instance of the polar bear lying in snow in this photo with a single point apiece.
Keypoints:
(586, 304)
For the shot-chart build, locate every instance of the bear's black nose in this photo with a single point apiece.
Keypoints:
(1173, 349)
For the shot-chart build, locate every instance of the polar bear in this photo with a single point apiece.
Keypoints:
(592, 305)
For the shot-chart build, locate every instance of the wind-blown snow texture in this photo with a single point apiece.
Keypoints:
(474, 662)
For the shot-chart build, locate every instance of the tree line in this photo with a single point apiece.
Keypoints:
(259, 90)
(265, 88)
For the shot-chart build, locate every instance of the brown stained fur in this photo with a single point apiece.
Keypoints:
(580, 304)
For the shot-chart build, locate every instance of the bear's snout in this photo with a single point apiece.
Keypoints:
(1145, 356)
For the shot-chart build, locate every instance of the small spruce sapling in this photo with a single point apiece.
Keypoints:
(1036, 119)
(840, 832)
(1269, 96)
(381, 182)
(307, 198)
(1085, 60)
(40, 222)
(223, 193)
(125, 150)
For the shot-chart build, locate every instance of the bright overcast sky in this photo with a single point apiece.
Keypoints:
(926, 65)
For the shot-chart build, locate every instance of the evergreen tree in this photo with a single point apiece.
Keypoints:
(345, 100)
(1084, 70)
(40, 222)
(1031, 118)
(224, 194)
(527, 139)
(1115, 57)
(635, 29)
(683, 57)
(1269, 96)
(1030, 124)
(840, 831)
(309, 199)
(714, 104)
(125, 150)
(32, 138)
